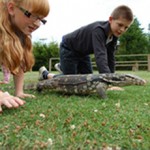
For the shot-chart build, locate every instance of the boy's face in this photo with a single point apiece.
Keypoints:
(119, 26)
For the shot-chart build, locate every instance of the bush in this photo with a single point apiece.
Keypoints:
(43, 52)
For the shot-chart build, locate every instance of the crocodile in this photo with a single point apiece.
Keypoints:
(83, 84)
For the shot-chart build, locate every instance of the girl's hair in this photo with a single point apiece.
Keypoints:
(122, 11)
(15, 46)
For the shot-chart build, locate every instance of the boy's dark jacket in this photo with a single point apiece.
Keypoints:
(91, 39)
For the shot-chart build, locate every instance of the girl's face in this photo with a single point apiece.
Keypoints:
(24, 19)
(119, 26)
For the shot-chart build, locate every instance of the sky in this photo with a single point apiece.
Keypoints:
(67, 15)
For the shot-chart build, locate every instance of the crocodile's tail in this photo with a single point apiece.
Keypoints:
(31, 86)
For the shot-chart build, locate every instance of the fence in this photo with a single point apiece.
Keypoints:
(133, 62)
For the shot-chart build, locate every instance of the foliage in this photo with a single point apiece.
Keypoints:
(134, 41)
(43, 52)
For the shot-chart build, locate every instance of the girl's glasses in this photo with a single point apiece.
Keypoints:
(33, 17)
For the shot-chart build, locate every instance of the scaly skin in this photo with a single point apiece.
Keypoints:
(86, 84)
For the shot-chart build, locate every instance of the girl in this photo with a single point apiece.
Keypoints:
(18, 19)
(6, 74)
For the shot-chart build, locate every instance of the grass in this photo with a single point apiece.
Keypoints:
(55, 121)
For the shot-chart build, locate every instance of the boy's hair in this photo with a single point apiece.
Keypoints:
(122, 11)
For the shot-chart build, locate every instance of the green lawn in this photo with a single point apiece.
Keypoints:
(60, 122)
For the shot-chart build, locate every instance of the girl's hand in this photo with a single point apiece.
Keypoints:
(10, 101)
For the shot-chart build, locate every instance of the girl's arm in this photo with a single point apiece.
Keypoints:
(19, 82)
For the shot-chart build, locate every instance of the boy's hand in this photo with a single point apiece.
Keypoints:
(115, 88)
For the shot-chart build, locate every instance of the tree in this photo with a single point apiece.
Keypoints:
(134, 41)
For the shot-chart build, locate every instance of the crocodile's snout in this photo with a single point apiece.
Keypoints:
(142, 82)
(135, 79)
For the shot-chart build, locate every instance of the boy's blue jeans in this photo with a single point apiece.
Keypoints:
(73, 63)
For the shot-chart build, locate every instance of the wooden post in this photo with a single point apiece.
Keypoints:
(135, 67)
(50, 65)
(148, 60)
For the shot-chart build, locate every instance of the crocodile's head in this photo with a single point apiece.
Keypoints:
(126, 79)
(134, 79)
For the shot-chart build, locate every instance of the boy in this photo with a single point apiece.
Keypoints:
(98, 38)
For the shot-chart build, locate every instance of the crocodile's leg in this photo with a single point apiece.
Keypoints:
(101, 90)
(39, 86)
